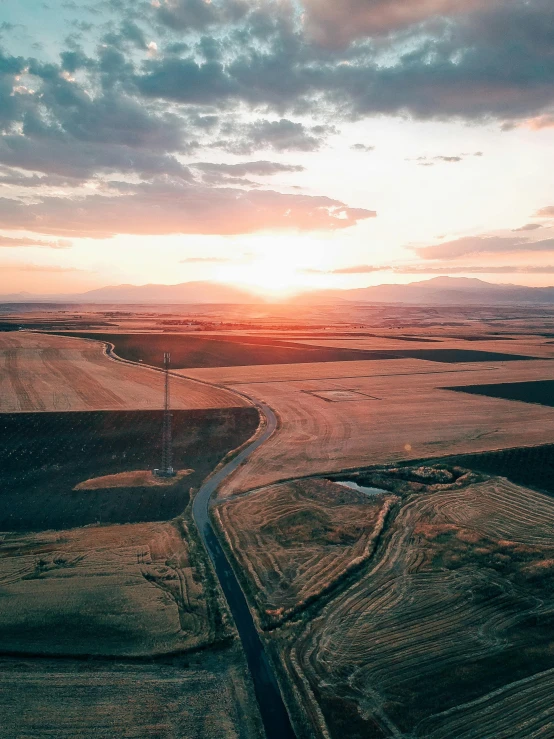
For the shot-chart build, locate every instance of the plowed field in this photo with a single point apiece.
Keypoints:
(448, 632)
(297, 539)
(208, 696)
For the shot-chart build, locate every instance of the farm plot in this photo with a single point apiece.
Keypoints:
(452, 618)
(40, 372)
(538, 391)
(189, 351)
(208, 696)
(132, 590)
(46, 456)
(386, 418)
(297, 539)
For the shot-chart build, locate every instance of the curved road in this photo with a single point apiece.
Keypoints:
(274, 715)
(272, 708)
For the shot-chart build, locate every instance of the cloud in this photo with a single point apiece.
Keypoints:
(282, 135)
(186, 15)
(442, 269)
(335, 24)
(260, 168)
(475, 269)
(541, 121)
(202, 260)
(215, 173)
(547, 212)
(360, 269)
(425, 161)
(483, 245)
(528, 227)
(362, 147)
(9, 241)
(168, 207)
(30, 267)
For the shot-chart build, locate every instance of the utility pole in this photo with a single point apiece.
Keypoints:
(166, 470)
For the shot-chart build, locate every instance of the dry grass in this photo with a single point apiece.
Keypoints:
(209, 697)
(413, 417)
(449, 634)
(102, 590)
(40, 372)
(296, 539)
(131, 479)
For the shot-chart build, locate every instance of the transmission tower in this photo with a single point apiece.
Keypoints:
(166, 470)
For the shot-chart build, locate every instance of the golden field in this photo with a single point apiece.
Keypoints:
(129, 590)
(42, 372)
(396, 410)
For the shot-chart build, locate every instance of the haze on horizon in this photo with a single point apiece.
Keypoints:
(281, 145)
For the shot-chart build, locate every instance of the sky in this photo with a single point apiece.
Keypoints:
(281, 145)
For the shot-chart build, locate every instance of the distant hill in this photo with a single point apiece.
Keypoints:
(439, 291)
(436, 291)
(185, 292)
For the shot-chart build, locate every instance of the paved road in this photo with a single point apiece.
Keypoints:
(272, 708)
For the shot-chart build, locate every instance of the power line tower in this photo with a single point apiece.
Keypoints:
(166, 470)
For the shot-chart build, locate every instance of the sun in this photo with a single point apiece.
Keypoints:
(279, 266)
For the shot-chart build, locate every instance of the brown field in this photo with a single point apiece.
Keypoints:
(132, 479)
(208, 696)
(395, 410)
(448, 631)
(297, 539)
(40, 372)
(130, 590)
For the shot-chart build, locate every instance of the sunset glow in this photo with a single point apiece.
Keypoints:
(163, 151)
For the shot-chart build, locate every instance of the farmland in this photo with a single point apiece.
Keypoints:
(297, 539)
(449, 620)
(131, 590)
(202, 696)
(424, 610)
(394, 410)
(40, 372)
(188, 351)
(45, 456)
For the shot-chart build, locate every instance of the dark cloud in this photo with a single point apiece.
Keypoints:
(282, 135)
(338, 23)
(10, 241)
(465, 59)
(469, 245)
(176, 207)
(187, 15)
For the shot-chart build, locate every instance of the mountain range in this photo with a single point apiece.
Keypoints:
(436, 291)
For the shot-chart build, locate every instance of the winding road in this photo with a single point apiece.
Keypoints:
(274, 715)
